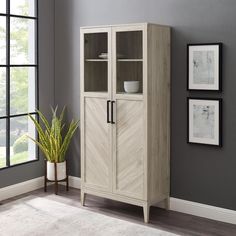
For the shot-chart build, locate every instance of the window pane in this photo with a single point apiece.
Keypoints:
(2, 91)
(2, 143)
(22, 90)
(22, 149)
(3, 40)
(2, 6)
(22, 41)
(23, 7)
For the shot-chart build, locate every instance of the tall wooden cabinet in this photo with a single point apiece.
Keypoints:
(125, 137)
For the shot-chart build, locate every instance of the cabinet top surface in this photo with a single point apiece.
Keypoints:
(123, 25)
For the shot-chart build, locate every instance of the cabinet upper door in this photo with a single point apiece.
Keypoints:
(128, 57)
(95, 60)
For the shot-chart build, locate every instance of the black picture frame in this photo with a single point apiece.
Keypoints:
(219, 127)
(219, 64)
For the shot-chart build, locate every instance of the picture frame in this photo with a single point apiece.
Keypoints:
(204, 67)
(204, 118)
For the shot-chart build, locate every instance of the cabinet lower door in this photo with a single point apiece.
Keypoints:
(128, 155)
(97, 145)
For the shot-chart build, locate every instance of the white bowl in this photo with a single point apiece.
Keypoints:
(103, 55)
(131, 86)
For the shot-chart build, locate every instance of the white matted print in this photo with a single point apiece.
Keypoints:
(204, 67)
(204, 117)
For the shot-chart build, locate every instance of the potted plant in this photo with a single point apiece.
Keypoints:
(53, 141)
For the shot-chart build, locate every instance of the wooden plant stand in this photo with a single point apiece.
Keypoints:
(46, 180)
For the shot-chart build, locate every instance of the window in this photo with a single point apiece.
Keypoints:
(18, 80)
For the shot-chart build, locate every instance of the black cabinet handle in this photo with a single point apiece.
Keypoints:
(112, 111)
(108, 102)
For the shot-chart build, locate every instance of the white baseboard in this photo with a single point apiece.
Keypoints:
(31, 185)
(21, 188)
(202, 210)
(192, 208)
(74, 182)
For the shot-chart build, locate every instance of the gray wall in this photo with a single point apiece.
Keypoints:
(67, 70)
(46, 87)
(198, 173)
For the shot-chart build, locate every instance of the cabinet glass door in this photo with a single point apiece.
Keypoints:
(129, 62)
(96, 61)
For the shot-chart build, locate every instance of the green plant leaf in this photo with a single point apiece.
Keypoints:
(51, 141)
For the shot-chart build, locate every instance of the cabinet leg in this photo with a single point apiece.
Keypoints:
(82, 198)
(146, 210)
(167, 203)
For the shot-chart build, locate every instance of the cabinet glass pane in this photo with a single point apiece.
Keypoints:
(22, 149)
(96, 62)
(2, 91)
(3, 41)
(22, 90)
(129, 65)
(2, 143)
(22, 36)
(23, 7)
(3, 6)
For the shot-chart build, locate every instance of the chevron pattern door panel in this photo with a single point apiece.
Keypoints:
(129, 149)
(97, 158)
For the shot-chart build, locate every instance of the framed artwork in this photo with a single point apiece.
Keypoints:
(204, 66)
(204, 121)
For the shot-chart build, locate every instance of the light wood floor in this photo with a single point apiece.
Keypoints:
(171, 221)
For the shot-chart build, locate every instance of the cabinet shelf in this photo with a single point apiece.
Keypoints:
(96, 60)
(130, 60)
(120, 60)
(129, 93)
